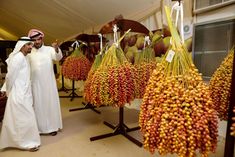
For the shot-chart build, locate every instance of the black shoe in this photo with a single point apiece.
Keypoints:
(53, 133)
(34, 149)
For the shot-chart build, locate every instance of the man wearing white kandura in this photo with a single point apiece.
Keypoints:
(45, 93)
(19, 128)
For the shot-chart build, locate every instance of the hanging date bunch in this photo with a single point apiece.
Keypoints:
(176, 114)
(220, 86)
(76, 66)
(98, 58)
(87, 85)
(114, 81)
(144, 64)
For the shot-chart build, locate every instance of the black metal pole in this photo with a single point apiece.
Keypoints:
(62, 81)
(73, 94)
(73, 87)
(63, 87)
(121, 114)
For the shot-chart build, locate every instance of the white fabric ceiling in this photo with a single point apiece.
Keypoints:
(62, 19)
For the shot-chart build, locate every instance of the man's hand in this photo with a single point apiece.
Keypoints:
(3, 94)
(56, 46)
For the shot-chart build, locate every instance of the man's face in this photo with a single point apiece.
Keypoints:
(38, 42)
(27, 48)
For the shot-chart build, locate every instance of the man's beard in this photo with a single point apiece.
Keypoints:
(37, 46)
(29, 51)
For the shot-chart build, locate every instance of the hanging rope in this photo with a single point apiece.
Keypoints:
(146, 41)
(75, 44)
(178, 7)
(101, 42)
(115, 35)
(82, 42)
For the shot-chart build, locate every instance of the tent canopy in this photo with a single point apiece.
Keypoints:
(64, 19)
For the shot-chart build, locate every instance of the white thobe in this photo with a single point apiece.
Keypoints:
(44, 87)
(19, 128)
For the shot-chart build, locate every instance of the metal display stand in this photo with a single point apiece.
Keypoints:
(63, 88)
(88, 39)
(73, 94)
(64, 47)
(121, 128)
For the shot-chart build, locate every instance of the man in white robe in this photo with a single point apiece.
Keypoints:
(19, 128)
(45, 93)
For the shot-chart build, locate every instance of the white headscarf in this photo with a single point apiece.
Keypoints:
(20, 43)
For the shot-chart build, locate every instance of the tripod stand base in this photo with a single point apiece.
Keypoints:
(63, 89)
(86, 106)
(72, 95)
(119, 129)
